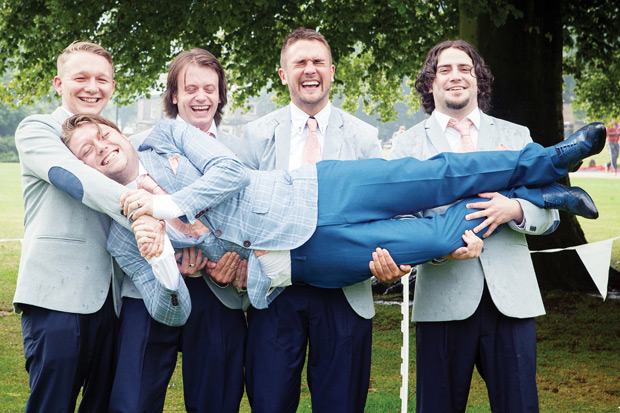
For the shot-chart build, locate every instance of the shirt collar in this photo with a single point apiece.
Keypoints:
(443, 119)
(299, 118)
(212, 128)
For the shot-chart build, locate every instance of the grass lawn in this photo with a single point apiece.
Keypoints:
(578, 339)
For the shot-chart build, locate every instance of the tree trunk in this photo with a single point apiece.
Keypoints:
(525, 57)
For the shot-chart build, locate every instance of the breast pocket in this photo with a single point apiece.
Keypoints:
(263, 193)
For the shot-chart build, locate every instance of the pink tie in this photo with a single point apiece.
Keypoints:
(466, 144)
(194, 230)
(312, 149)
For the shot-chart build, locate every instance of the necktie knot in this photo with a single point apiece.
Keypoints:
(312, 124)
(463, 127)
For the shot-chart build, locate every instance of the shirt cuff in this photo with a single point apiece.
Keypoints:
(165, 267)
(165, 208)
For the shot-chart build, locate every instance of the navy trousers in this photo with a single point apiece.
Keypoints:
(212, 342)
(502, 348)
(339, 348)
(65, 352)
(145, 360)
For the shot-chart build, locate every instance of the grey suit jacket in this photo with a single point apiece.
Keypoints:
(64, 264)
(266, 146)
(452, 291)
(228, 294)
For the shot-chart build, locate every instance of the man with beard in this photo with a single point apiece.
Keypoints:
(480, 311)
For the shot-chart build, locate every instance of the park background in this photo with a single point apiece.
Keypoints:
(547, 57)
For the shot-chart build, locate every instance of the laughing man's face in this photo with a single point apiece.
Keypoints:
(105, 149)
(309, 73)
(85, 83)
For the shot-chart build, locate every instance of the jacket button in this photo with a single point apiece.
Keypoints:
(174, 300)
(218, 233)
(247, 244)
(198, 215)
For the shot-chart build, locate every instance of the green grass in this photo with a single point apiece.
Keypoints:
(578, 340)
(606, 196)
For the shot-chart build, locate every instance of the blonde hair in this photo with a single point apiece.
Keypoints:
(79, 46)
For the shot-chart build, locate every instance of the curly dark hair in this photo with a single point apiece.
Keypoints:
(426, 76)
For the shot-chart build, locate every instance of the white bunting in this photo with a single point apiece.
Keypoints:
(596, 258)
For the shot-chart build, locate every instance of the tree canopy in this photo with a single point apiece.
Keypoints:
(375, 43)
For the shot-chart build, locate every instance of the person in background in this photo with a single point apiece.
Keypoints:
(613, 134)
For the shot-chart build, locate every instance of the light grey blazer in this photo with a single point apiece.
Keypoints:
(64, 264)
(227, 294)
(266, 146)
(452, 291)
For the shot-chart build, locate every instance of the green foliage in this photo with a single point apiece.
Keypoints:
(592, 55)
(384, 40)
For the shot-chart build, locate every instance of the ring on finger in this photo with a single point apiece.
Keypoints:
(139, 204)
(192, 265)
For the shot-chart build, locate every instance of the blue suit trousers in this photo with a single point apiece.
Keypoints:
(358, 199)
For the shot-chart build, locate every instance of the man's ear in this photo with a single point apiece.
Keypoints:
(282, 75)
(175, 101)
(58, 85)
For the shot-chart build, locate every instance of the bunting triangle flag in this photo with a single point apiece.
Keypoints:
(596, 258)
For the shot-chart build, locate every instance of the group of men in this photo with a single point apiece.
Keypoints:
(70, 291)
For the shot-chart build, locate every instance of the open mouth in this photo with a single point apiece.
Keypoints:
(110, 156)
(456, 88)
(310, 84)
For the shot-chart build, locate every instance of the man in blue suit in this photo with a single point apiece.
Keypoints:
(228, 207)
(481, 311)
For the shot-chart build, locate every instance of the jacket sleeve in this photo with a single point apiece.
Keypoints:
(223, 175)
(170, 307)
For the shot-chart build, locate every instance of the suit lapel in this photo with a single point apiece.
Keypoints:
(282, 134)
(436, 136)
(334, 135)
(487, 137)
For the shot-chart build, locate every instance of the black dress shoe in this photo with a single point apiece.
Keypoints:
(587, 141)
(571, 199)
